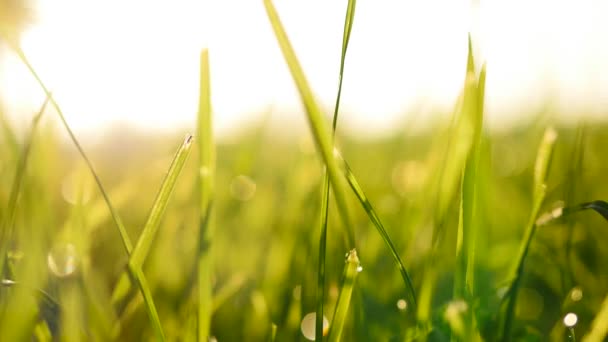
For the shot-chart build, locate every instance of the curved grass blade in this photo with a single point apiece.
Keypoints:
(541, 169)
(375, 219)
(351, 270)
(348, 23)
(144, 243)
(9, 220)
(318, 126)
(599, 326)
(137, 274)
(599, 206)
(206, 183)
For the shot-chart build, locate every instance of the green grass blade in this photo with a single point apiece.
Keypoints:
(348, 23)
(472, 115)
(599, 326)
(148, 234)
(375, 219)
(599, 206)
(541, 170)
(141, 281)
(137, 274)
(320, 131)
(9, 220)
(206, 183)
(351, 270)
(117, 220)
(144, 243)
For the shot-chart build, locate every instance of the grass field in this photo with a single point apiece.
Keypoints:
(452, 233)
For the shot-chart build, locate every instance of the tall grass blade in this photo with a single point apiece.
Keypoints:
(137, 274)
(144, 243)
(9, 221)
(206, 183)
(375, 219)
(351, 270)
(320, 131)
(599, 326)
(148, 234)
(348, 23)
(541, 169)
(472, 115)
(117, 220)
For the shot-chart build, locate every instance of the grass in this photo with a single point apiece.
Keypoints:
(464, 233)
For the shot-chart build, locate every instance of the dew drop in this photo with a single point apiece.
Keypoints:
(576, 294)
(62, 260)
(308, 326)
(242, 188)
(401, 304)
(570, 319)
(359, 268)
(8, 282)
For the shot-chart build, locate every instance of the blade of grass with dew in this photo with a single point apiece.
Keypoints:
(599, 326)
(348, 23)
(206, 193)
(320, 132)
(9, 220)
(138, 275)
(144, 243)
(599, 206)
(541, 169)
(351, 270)
(375, 219)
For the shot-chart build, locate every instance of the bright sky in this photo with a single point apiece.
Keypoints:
(137, 61)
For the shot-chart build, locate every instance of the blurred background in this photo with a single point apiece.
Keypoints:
(136, 62)
(126, 74)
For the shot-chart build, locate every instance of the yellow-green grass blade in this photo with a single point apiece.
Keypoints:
(137, 274)
(206, 193)
(9, 220)
(471, 114)
(150, 230)
(317, 124)
(541, 169)
(599, 326)
(351, 270)
(144, 243)
(117, 220)
(599, 206)
(375, 219)
(348, 23)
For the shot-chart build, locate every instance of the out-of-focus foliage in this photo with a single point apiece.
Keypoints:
(67, 255)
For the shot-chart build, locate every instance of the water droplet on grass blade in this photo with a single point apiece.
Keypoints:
(359, 268)
(570, 319)
(576, 294)
(62, 260)
(308, 326)
(401, 304)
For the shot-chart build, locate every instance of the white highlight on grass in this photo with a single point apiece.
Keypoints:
(570, 319)
(62, 260)
(401, 304)
(308, 326)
